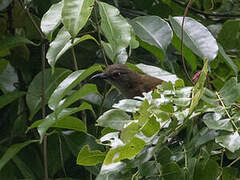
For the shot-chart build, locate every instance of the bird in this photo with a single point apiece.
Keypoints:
(130, 83)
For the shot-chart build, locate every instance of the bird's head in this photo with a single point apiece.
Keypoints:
(129, 82)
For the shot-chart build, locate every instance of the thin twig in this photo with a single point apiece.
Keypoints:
(99, 36)
(233, 162)
(74, 59)
(31, 18)
(182, 36)
(61, 156)
(225, 109)
(220, 15)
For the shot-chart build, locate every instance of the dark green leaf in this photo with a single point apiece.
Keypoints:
(9, 97)
(13, 150)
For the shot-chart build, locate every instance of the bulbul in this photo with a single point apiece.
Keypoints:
(129, 82)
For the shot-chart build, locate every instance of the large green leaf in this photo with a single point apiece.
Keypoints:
(126, 151)
(75, 14)
(230, 92)
(114, 118)
(51, 81)
(116, 29)
(153, 30)
(230, 141)
(51, 19)
(9, 97)
(56, 47)
(229, 35)
(67, 84)
(157, 72)
(227, 59)
(75, 96)
(86, 157)
(13, 41)
(196, 37)
(61, 44)
(12, 151)
(214, 121)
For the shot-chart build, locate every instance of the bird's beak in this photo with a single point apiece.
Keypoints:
(99, 76)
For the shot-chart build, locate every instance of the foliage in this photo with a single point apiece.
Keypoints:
(58, 123)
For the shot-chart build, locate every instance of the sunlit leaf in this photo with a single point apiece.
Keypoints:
(157, 72)
(67, 84)
(153, 30)
(231, 141)
(86, 157)
(51, 19)
(75, 14)
(196, 37)
(114, 118)
(116, 29)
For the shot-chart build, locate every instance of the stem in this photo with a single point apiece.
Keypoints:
(99, 36)
(31, 18)
(61, 156)
(225, 109)
(182, 36)
(74, 59)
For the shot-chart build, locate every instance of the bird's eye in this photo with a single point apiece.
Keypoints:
(116, 75)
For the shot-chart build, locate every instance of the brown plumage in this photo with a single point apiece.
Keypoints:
(129, 82)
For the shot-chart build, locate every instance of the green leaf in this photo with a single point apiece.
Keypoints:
(56, 47)
(153, 30)
(198, 89)
(10, 97)
(158, 53)
(12, 151)
(75, 14)
(227, 59)
(229, 173)
(231, 141)
(51, 120)
(202, 170)
(75, 96)
(116, 29)
(109, 50)
(157, 72)
(172, 171)
(214, 121)
(128, 105)
(8, 78)
(188, 54)
(13, 41)
(86, 157)
(126, 151)
(114, 118)
(196, 37)
(69, 83)
(51, 19)
(230, 92)
(72, 123)
(54, 54)
(34, 94)
(3, 65)
(229, 35)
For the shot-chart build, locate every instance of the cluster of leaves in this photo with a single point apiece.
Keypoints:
(174, 132)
